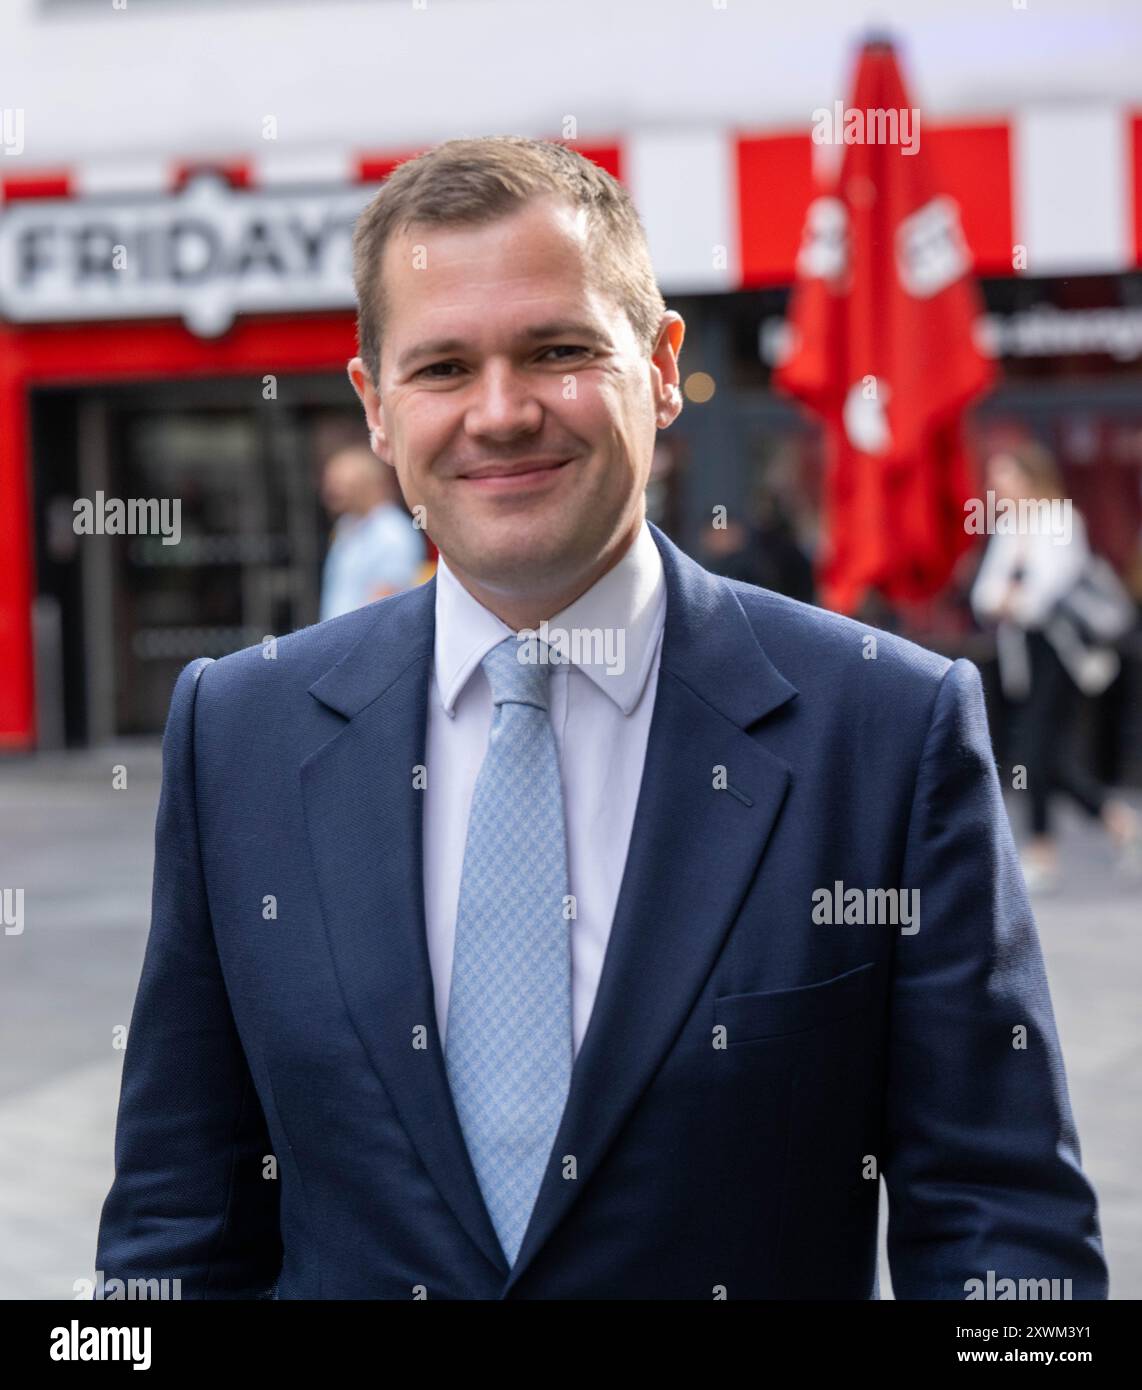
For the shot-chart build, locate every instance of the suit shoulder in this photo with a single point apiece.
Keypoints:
(806, 642)
(305, 654)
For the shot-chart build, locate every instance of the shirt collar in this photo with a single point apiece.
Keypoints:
(625, 610)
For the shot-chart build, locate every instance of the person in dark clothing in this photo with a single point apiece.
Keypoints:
(765, 552)
(1025, 573)
(1047, 717)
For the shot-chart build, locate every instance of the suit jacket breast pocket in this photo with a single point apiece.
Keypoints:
(778, 1013)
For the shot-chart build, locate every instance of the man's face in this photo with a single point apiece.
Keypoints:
(500, 355)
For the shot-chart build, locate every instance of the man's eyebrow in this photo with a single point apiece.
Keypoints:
(565, 328)
(556, 328)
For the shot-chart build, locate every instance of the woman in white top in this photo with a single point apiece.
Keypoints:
(1037, 553)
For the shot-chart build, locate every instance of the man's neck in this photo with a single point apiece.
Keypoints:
(528, 610)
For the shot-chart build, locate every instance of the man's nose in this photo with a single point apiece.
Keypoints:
(503, 403)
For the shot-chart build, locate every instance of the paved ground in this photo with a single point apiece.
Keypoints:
(82, 852)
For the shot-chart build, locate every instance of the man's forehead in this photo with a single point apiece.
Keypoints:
(422, 260)
(547, 216)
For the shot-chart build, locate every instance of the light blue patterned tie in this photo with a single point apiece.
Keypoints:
(508, 1048)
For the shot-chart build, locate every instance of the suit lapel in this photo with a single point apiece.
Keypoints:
(694, 851)
(364, 821)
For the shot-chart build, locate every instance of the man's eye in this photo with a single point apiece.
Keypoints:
(566, 347)
(439, 371)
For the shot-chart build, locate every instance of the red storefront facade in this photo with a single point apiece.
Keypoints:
(767, 189)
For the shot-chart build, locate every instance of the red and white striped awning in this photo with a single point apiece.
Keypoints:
(724, 209)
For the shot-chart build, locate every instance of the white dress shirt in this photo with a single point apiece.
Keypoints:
(600, 712)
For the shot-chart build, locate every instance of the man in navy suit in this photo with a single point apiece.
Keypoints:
(579, 924)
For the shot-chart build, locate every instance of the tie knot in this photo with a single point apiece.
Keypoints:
(514, 673)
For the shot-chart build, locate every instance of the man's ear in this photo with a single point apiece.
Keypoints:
(664, 363)
(369, 398)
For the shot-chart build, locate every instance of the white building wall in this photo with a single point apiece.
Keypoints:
(163, 78)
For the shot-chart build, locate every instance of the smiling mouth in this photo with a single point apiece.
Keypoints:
(522, 474)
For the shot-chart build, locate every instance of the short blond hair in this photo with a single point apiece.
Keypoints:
(1037, 464)
(473, 181)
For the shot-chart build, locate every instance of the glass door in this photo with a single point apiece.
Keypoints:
(238, 554)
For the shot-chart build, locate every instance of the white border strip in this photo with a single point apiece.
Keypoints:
(1071, 189)
(683, 184)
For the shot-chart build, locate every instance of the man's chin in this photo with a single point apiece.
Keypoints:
(514, 563)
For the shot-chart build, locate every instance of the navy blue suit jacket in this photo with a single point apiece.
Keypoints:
(747, 1071)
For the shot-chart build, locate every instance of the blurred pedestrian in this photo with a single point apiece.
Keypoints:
(376, 550)
(763, 551)
(1056, 612)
